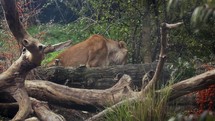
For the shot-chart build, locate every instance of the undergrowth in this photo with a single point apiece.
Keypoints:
(152, 108)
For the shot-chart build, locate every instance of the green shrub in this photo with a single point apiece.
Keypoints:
(182, 69)
(153, 108)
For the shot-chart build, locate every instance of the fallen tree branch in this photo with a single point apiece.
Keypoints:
(40, 108)
(97, 78)
(56, 47)
(162, 58)
(12, 80)
(197, 83)
(43, 112)
(63, 94)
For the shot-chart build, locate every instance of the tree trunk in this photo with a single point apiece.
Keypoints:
(146, 36)
(147, 53)
(96, 78)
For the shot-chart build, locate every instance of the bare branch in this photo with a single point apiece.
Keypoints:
(12, 17)
(44, 113)
(56, 47)
(12, 80)
(32, 119)
(94, 97)
(172, 26)
(199, 82)
(162, 56)
(21, 96)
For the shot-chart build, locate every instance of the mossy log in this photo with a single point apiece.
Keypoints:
(96, 78)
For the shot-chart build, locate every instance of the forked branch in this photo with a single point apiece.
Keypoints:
(56, 47)
(150, 85)
(162, 56)
(12, 80)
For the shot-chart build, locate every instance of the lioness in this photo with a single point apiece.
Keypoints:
(93, 52)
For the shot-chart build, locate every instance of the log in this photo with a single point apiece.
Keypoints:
(63, 95)
(44, 113)
(41, 111)
(96, 78)
(66, 94)
(120, 90)
(12, 80)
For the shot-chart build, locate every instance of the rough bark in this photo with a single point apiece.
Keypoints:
(12, 80)
(146, 36)
(44, 89)
(41, 109)
(162, 59)
(65, 95)
(96, 78)
(44, 113)
(147, 57)
(60, 94)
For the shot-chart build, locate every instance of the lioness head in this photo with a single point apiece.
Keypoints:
(117, 52)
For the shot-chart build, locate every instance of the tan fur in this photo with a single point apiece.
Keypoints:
(93, 52)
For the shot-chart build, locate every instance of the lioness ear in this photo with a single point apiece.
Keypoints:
(122, 44)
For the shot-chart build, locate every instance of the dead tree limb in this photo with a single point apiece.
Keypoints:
(162, 56)
(97, 78)
(152, 83)
(16, 73)
(41, 111)
(56, 47)
(66, 95)
(12, 80)
(63, 95)
(44, 113)
(121, 90)
(199, 82)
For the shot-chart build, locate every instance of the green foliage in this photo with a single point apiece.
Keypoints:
(77, 31)
(3, 37)
(49, 57)
(50, 33)
(197, 36)
(182, 69)
(153, 108)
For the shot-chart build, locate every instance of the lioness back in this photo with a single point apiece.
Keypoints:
(91, 52)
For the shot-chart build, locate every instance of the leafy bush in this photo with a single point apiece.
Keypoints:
(182, 69)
